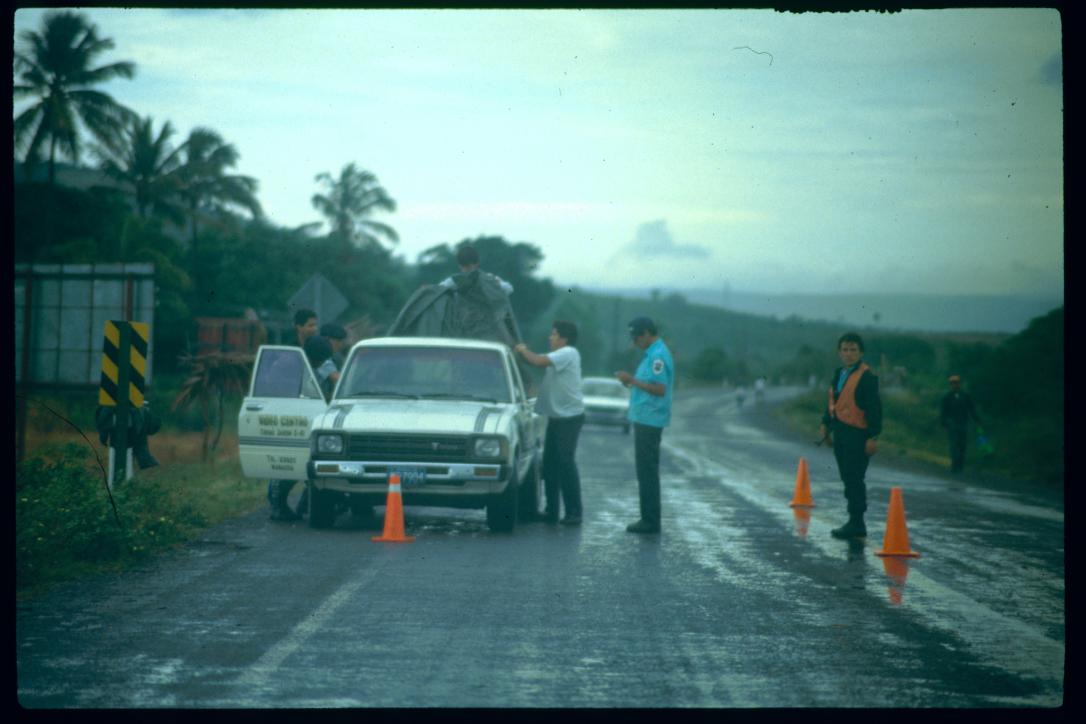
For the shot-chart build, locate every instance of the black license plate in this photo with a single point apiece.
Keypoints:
(411, 478)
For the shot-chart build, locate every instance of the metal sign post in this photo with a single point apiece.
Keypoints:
(124, 368)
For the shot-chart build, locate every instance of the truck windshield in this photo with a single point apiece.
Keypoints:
(441, 373)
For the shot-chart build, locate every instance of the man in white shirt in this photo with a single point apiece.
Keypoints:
(562, 402)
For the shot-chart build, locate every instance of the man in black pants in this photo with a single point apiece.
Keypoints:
(650, 413)
(954, 413)
(305, 326)
(854, 419)
(562, 402)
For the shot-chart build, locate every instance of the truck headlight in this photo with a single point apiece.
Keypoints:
(330, 443)
(488, 447)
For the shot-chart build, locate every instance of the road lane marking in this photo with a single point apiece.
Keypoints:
(256, 676)
(999, 640)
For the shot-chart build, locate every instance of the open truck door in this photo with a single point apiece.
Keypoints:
(277, 415)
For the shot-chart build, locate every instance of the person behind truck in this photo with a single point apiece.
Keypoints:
(318, 350)
(562, 403)
(305, 326)
(337, 337)
(467, 258)
(852, 423)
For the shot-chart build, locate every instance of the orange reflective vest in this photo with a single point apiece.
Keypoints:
(845, 408)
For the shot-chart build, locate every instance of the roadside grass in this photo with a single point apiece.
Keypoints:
(1024, 449)
(65, 523)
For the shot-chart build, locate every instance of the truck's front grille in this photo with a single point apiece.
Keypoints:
(407, 448)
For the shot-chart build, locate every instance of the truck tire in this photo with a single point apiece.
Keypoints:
(322, 508)
(531, 490)
(501, 510)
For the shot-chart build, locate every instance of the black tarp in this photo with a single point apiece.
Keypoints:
(474, 308)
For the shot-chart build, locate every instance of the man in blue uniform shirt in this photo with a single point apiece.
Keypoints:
(650, 413)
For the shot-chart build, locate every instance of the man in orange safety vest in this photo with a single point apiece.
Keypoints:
(852, 422)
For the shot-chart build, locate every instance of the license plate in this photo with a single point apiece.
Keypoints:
(411, 478)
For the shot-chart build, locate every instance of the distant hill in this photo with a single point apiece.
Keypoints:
(764, 343)
(888, 312)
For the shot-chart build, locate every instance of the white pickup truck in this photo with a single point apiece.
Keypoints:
(450, 416)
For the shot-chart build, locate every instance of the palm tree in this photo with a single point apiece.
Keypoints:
(150, 166)
(205, 184)
(56, 68)
(212, 375)
(206, 187)
(349, 200)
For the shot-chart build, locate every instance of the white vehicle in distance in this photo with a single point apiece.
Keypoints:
(449, 416)
(606, 401)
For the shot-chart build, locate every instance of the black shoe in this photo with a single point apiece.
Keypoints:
(548, 517)
(571, 520)
(643, 526)
(851, 529)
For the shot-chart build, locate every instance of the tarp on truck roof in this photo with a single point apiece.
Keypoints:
(475, 308)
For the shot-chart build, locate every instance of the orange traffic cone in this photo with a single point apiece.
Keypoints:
(802, 515)
(896, 540)
(897, 570)
(802, 496)
(393, 515)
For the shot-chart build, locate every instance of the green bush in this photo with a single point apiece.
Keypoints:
(64, 520)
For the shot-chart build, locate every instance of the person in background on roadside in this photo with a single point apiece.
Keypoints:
(650, 413)
(467, 258)
(954, 413)
(305, 326)
(851, 424)
(562, 402)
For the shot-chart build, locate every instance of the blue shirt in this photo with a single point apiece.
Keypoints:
(656, 367)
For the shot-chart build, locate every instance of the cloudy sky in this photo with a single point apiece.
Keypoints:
(770, 152)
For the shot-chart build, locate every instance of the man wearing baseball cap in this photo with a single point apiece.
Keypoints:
(650, 413)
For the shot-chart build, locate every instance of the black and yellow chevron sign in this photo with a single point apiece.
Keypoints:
(124, 362)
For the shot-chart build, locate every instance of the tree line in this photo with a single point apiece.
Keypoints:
(178, 204)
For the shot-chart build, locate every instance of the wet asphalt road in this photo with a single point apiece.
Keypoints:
(738, 603)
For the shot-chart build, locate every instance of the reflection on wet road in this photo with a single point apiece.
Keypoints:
(742, 601)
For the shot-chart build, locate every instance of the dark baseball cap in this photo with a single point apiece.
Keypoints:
(640, 325)
(333, 331)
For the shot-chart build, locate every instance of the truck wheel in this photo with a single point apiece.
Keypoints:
(501, 510)
(322, 508)
(531, 490)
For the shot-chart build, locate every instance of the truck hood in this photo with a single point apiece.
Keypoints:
(446, 417)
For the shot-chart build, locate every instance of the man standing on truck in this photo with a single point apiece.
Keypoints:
(467, 258)
(562, 402)
(650, 413)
